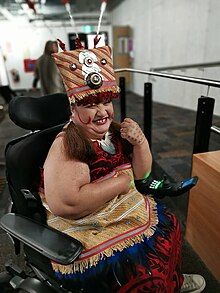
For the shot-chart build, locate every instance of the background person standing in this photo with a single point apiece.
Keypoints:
(47, 72)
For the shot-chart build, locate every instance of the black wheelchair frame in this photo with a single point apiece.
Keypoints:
(26, 223)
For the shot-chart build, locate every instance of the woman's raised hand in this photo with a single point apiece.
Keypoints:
(131, 131)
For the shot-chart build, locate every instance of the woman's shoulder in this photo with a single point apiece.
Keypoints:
(59, 144)
(60, 134)
(57, 148)
(55, 155)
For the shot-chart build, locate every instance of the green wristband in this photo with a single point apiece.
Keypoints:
(146, 175)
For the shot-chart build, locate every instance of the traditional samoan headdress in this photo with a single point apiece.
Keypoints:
(87, 74)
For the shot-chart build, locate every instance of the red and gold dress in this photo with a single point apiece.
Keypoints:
(131, 244)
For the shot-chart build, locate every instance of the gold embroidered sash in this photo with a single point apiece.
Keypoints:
(121, 223)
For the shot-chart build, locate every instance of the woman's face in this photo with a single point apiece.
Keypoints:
(95, 118)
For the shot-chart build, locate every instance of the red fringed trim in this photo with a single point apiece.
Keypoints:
(78, 44)
(96, 40)
(98, 98)
(61, 45)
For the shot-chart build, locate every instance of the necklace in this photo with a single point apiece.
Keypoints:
(106, 144)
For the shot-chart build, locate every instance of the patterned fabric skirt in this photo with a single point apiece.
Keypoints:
(150, 266)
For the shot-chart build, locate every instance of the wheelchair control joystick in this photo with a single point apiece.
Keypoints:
(162, 188)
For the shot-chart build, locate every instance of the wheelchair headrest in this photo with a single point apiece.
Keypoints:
(39, 113)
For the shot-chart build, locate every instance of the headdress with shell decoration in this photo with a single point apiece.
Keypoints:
(87, 74)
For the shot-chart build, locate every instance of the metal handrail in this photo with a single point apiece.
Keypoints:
(215, 129)
(208, 82)
(187, 66)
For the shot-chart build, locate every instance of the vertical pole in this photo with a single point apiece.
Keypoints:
(203, 124)
(148, 111)
(122, 97)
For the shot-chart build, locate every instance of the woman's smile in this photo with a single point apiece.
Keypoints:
(100, 121)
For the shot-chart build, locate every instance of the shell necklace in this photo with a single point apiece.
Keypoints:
(106, 144)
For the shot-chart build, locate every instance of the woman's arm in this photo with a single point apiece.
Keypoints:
(141, 160)
(67, 186)
(141, 156)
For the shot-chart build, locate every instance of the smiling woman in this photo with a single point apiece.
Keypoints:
(88, 189)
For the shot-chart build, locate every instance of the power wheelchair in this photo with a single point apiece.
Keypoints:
(45, 118)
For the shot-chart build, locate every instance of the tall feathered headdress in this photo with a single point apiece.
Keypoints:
(87, 74)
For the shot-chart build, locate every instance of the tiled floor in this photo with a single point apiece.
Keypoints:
(172, 144)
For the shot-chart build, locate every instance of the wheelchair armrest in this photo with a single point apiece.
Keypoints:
(49, 242)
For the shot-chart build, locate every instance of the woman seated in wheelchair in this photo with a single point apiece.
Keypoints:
(92, 175)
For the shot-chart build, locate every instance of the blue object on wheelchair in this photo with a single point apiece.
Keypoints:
(189, 183)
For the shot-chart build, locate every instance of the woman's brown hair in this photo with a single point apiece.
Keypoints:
(76, 144)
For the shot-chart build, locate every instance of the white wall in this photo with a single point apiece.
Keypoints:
(3, 72)
(24, 40)
(170, 32)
